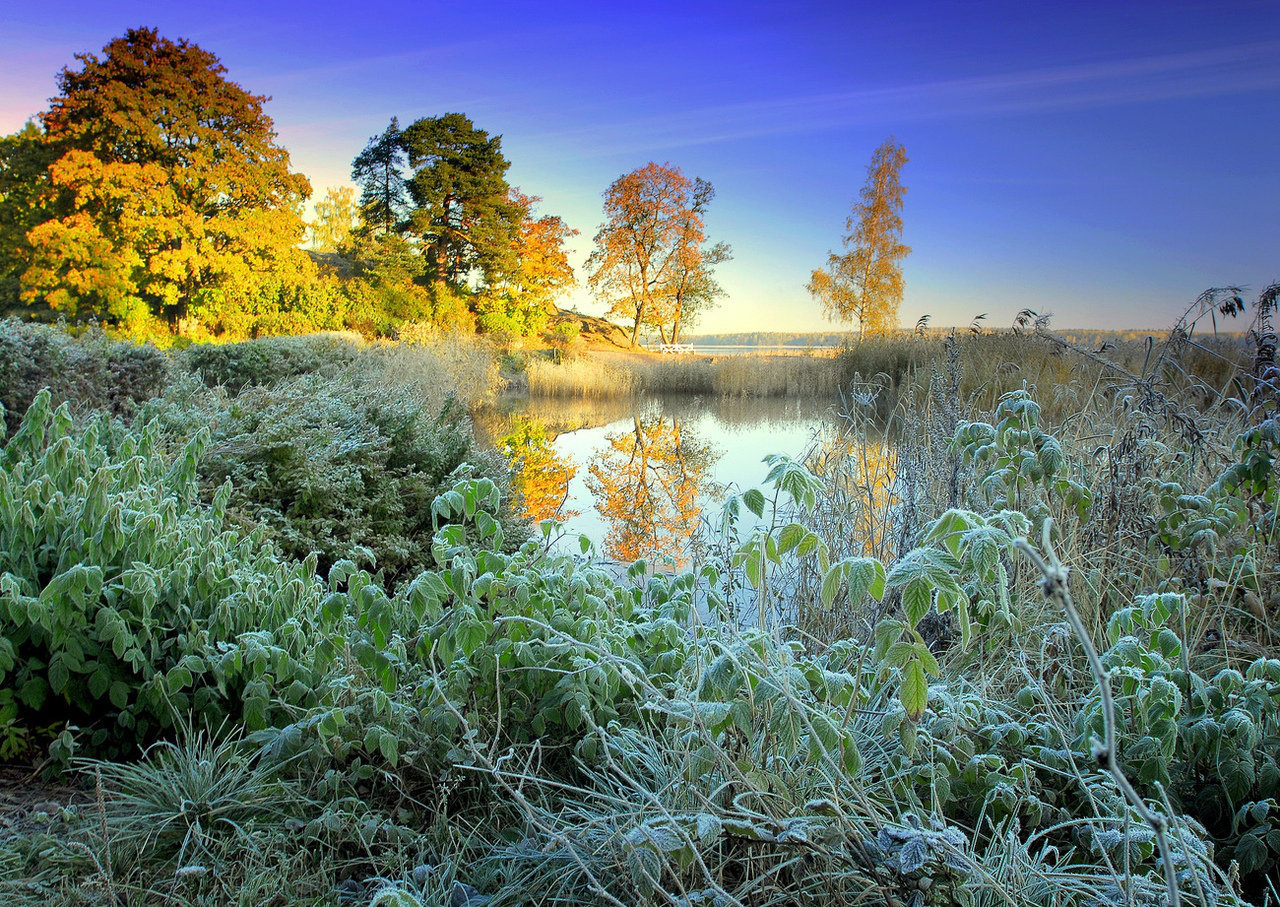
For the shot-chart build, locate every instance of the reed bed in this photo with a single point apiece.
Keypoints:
(1068, 375)
(743, 376)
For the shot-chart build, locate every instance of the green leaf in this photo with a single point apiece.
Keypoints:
(59, 676)
(389, 747)
(119, 694)
(754, 499)
(914, 691)
(917, 599)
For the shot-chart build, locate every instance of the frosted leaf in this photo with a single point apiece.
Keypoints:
(913, 856)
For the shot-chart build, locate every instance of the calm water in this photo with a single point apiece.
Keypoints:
(637, 477)
(736, 350)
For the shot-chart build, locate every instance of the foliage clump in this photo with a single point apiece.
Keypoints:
(90, 372)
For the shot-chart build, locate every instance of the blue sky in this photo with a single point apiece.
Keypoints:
(1103, 161)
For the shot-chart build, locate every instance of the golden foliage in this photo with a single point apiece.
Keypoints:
(540, 476)
(172, 200)
(649, 263)
(866, 281)
(647, 485)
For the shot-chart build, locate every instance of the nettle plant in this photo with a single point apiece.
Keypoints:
(125, 602)
(1212, 741)
(1020, 465)
(486, 648)
(960, 567)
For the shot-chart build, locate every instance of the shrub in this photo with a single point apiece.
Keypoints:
(89, 372)
(121, 595)
(263, 362)
(342, 467)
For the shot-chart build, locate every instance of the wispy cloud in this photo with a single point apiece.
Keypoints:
(1221, 71)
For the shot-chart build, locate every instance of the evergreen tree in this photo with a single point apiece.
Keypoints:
(462, 211)
(378, 170)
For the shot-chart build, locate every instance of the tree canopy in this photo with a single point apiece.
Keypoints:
(865, 282)
(650, 262)
(335, 219)
(165, 196)
(462, 211)
(379, 171)
(452, 241)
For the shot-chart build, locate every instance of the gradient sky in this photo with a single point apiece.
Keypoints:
(1102, 161)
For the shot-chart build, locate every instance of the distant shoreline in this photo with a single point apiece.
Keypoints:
(837, 339)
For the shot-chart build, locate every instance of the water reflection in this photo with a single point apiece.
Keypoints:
(636, 476)
(648, 483)
(539, 475)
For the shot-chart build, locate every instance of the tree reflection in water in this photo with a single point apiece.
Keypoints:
(649, 483)
(860, 507)
(540, 476)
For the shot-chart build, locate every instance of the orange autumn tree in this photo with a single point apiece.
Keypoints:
(169, 200)
(690, 286)
(865, 282)
(520, 297)
(647, 485)
(649, 263)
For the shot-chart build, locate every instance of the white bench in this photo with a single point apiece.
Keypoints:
(675, 348)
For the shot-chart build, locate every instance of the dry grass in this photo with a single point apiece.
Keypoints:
(991, 364)
(590, 378)
(451, 365)
(603, 374)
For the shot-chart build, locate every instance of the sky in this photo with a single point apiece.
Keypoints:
(1103, 161)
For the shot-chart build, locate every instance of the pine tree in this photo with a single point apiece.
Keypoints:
(378, 170)
(462, 210)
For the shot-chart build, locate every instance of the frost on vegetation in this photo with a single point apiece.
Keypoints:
(565, 732)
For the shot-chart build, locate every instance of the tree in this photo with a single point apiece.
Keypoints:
(692, 287)
(25, 197)
(462, 211)
(649, 263)
(866, 281)
(335, 219)
(521, 297)
(170, 192)
(378, 170)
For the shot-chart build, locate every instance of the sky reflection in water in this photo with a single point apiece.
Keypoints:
(638, 477)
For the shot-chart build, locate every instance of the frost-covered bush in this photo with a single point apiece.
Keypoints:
(90, 372)
(340, 466)
(268, 360)
(126, 605)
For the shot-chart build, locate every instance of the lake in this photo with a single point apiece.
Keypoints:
(640, 478)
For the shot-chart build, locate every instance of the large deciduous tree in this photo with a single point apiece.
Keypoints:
(24, 202)
(650, 262)
(691, 287)
(462, 211)
(865, 282)
(169, 197)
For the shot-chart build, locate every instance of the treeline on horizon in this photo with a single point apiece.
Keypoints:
(1082, 336)
(152, 198)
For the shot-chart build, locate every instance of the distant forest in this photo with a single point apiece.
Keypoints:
(1083, 336)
